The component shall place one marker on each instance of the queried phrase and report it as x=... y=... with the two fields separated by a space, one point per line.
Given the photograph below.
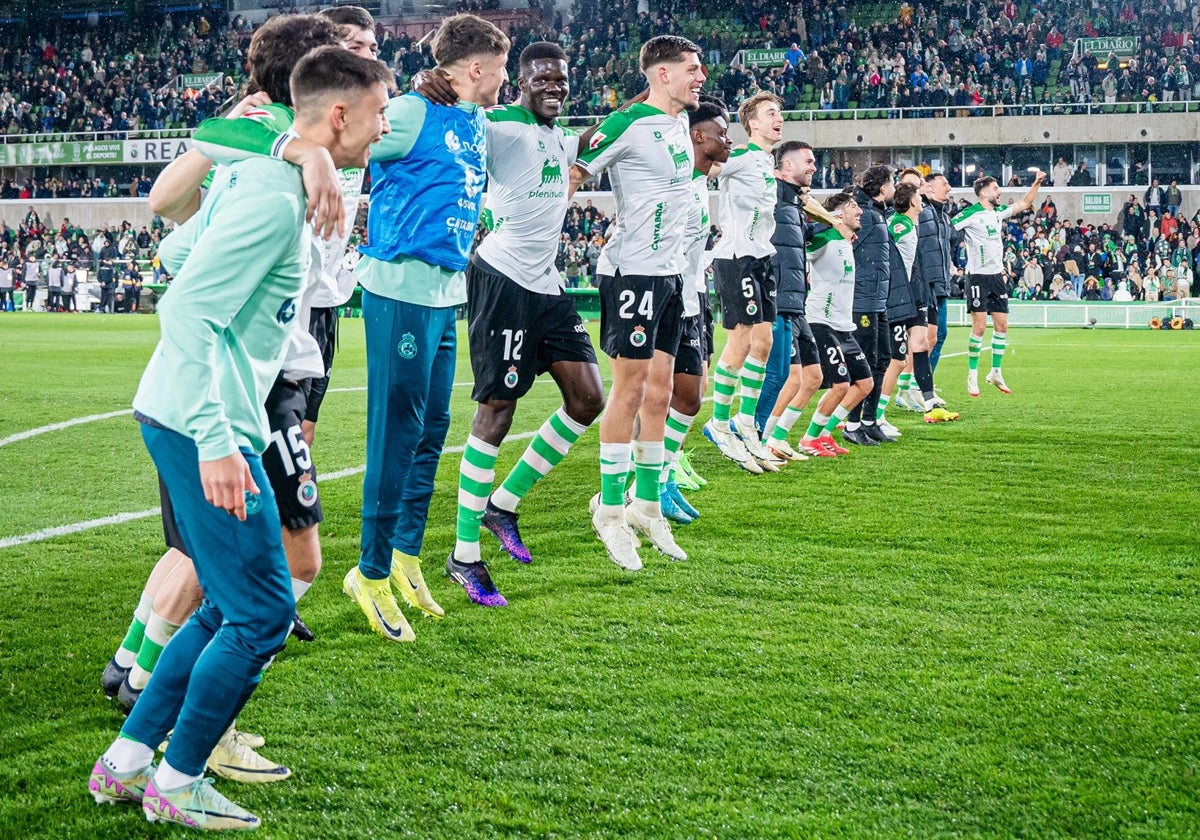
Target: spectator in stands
x=1082 y=177
x=1061 y=173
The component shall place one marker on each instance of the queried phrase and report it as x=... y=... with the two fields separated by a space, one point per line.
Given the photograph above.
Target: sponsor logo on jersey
x=407 y=348
x=474 y=182
x=456 y=144
x=511 y=378
x=286 y=312
x=306 y=493
x=253 y=503
x=680 y=156
x=659 y=210
x=551 y=171
x=638 y=337
x=580 y=328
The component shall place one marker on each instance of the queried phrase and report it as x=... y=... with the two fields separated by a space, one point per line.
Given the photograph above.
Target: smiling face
x=711 y=139
x=544 y=86
x=682 y=80
x=767 y=123
x=365 y=124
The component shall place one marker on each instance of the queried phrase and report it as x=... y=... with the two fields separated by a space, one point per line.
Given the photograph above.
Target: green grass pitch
x=986 y=630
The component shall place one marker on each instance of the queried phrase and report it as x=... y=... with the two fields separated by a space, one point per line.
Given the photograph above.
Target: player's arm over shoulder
x=406 y=115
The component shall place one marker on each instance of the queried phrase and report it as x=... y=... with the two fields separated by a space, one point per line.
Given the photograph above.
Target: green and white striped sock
x=615 y=459
x=974 y=346
x=127 y=654
x=676 y=431
x=786 y=421
x=725 y=383
x=476 y=472
x=551 y=444
x=158 y=632
x=753 y=374
x=999 y=343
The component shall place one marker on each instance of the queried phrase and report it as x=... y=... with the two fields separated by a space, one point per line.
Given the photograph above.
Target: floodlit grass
x=988 y=629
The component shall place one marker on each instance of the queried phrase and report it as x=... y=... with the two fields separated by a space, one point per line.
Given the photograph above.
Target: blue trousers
x=936 y=352
x=212 y=665
x=779 y=364
x=410 y=373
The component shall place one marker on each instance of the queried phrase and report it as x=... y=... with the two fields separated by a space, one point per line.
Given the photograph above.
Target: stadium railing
x=1090 y=314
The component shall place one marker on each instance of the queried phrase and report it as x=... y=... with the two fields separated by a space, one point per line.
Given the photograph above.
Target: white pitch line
x=63 y=530
x=65 y=424
x=120 y=518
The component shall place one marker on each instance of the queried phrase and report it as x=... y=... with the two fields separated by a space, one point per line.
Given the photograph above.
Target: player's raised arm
x=1027 y=200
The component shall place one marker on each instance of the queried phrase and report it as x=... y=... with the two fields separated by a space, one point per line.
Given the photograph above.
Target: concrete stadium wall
x=88 y=213
x=92 y=213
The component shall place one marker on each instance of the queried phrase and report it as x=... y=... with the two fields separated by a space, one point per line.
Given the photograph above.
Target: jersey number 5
x=645 y=308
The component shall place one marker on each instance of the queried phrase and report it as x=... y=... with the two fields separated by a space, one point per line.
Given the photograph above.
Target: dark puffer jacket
x=933 y=249
x=872 y=257
x=790 y=263
x=905 y=296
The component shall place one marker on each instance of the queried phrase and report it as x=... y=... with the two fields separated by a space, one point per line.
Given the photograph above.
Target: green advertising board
x=62 y=154
x=200 y=80
x=1097 y=203
x=762 y=58
x=1123 y=45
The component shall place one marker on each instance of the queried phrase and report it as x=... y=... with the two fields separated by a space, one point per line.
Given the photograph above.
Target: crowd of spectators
x=1152 y=252
x=39 y=253
x=115 y=77
x=963 y=56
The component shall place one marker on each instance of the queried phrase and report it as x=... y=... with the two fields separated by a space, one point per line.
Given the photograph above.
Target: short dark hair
x=706 y=111
x=904 y=197
x=786 y=148
x=748 y=110
x=933 y=176
x=334 y=70
x=346 y=16
x=463 y=36
x=875 y=177
x=983 y=183
x=279 y=44
x=540 y=51
x=836 y=200
x=665 y=49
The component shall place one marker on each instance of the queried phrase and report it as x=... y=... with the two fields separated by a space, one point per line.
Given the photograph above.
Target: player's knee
x=493 y=419
x=303 y=547
x=585 y=405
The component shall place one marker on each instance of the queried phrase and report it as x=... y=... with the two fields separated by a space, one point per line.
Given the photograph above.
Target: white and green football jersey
x=904 y=234
x=830 y=298
x=694 y=254
x=981 y=227
x=528 y=166
x=649 y=158
x=746 y=205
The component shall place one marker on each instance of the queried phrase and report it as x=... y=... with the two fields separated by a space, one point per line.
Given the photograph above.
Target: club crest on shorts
x=842 y=370
x=751 y=308
x=407 y=347
x=306 y=493
x=253 y=503
x=638 y=337
x=511 y=378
